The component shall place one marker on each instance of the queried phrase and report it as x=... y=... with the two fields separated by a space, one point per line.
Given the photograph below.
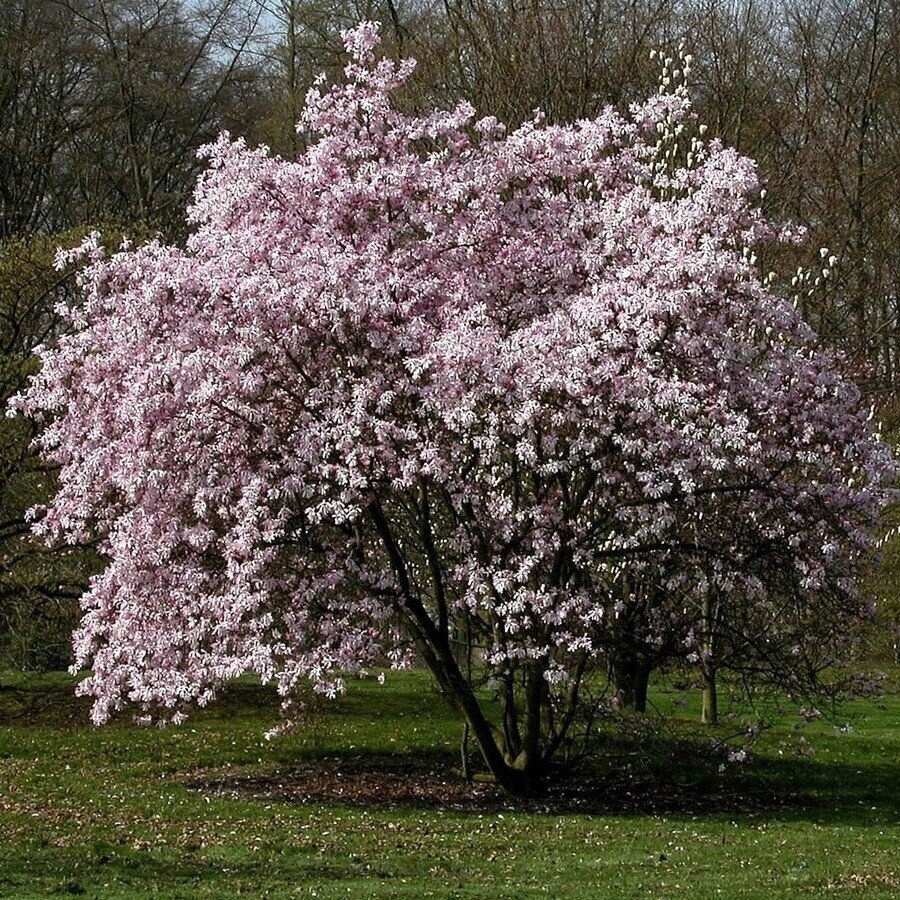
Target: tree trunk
x=710 y=712
x=631 y=676
x=519 y=770
x=520 y=775
x=641 y=684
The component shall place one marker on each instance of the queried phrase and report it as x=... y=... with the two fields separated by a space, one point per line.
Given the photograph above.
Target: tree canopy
x=443 y=388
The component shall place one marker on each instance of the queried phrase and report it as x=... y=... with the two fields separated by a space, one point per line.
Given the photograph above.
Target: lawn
x=213 y=809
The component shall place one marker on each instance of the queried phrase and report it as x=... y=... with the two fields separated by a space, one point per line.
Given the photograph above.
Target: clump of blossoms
x=439 y=388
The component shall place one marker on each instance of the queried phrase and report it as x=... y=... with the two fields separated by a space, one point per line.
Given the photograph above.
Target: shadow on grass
x=49 y=701
x=637 y=773
x=42 y=701
x=178 y=872
x=786 y=790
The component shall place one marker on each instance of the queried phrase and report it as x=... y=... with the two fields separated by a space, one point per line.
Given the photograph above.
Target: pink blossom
x=433 y=375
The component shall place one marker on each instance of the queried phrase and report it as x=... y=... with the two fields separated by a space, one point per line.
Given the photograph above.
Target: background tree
x=38 y=585
x=849 y=112
x=106 y=101
x=42 y=70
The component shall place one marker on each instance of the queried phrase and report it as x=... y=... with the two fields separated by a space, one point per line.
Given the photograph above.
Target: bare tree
x=42 y=76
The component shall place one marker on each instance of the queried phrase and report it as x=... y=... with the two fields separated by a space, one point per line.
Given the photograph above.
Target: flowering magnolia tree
x=434 y=389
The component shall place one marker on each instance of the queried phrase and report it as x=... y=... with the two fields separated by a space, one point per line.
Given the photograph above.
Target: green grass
x=110 y=812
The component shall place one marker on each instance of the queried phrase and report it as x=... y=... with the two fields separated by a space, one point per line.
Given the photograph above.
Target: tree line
x=103 y=104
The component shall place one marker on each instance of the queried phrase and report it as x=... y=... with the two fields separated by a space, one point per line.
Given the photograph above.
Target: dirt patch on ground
x=330 y=782
x=395 y=782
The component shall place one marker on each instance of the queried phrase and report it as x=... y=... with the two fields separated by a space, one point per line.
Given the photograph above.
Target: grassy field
x=212 y=809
